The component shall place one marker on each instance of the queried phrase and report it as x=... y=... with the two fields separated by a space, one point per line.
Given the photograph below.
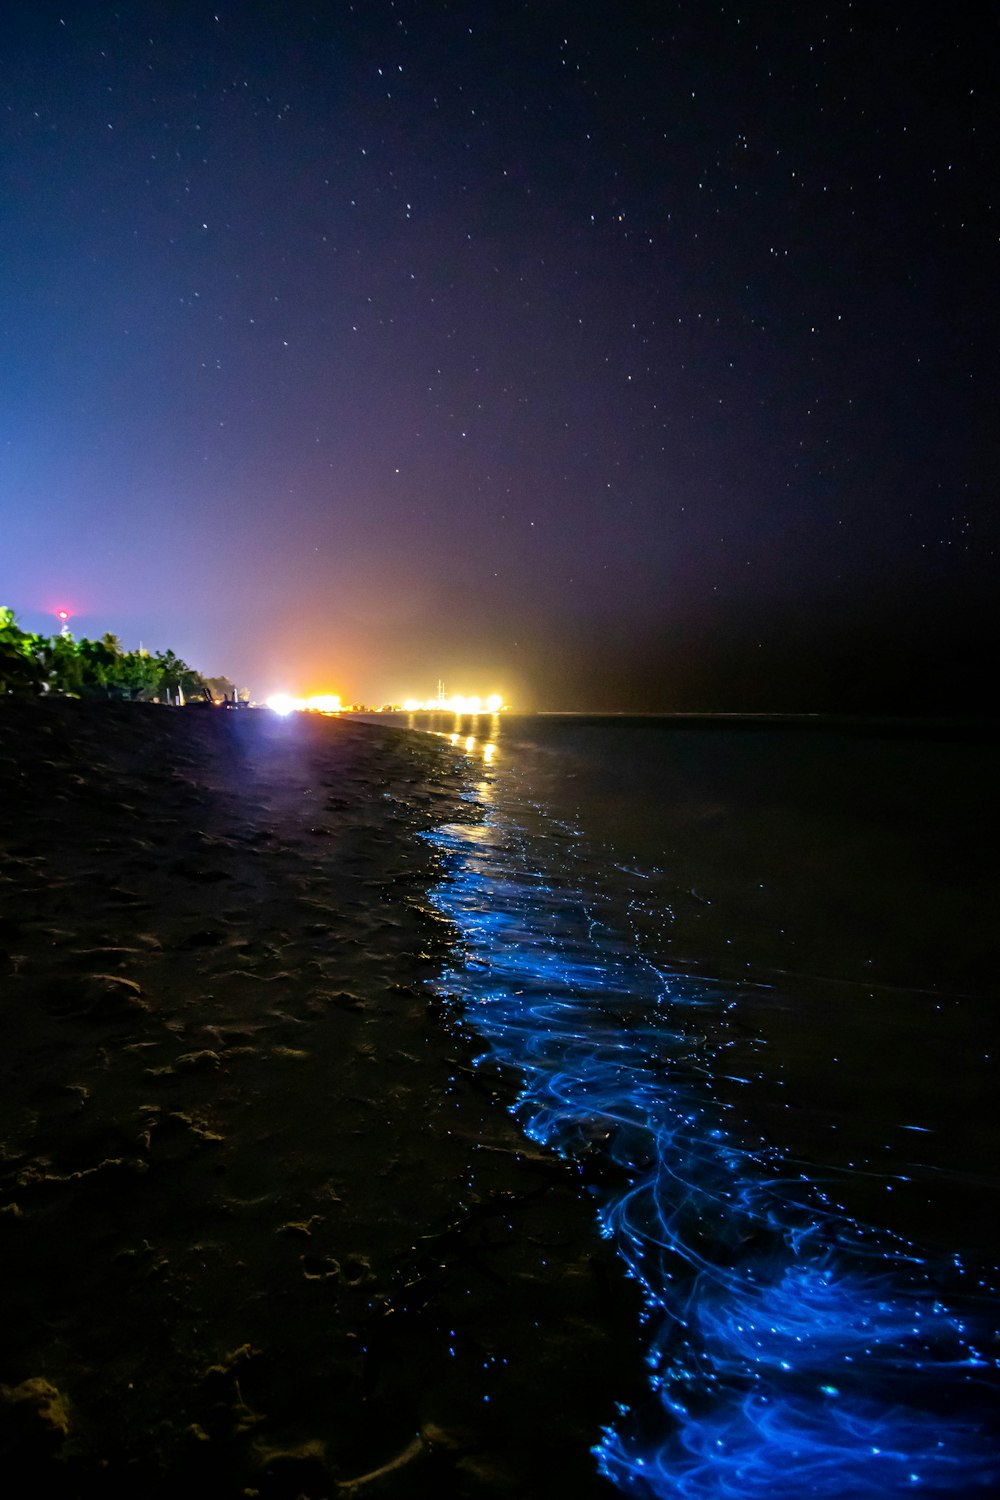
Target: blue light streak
x=793 y=1351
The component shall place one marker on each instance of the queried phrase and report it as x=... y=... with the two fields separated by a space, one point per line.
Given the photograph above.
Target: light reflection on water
x=793 y=1349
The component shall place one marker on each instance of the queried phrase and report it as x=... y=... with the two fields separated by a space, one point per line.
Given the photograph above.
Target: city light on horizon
x=320 y=703
x=331 y=703
x=457 y=704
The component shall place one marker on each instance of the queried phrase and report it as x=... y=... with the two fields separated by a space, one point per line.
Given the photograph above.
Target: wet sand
x=264 y=1228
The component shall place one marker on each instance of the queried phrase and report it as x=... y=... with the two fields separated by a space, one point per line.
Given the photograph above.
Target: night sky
x=606 y=355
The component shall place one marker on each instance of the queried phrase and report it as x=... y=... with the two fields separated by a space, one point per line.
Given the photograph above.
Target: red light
x=61 y=614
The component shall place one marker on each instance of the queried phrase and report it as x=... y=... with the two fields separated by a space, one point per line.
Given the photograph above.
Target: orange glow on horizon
x=319 y=703
x=457 y=704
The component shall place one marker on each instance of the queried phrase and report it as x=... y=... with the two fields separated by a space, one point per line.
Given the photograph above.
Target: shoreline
x=264 y=1224
x=974 y=727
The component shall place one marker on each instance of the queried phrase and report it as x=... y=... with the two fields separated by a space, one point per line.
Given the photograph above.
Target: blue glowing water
x=794 y=1347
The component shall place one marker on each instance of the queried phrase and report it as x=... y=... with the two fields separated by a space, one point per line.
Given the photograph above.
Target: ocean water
x=746 y=973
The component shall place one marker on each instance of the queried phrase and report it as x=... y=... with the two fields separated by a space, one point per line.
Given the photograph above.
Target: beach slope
x=264 y=1227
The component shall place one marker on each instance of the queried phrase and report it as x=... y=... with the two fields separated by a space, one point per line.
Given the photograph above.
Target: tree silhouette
x=32 y=664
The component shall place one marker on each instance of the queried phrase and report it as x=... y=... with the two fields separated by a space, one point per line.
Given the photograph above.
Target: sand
x=264 y=1228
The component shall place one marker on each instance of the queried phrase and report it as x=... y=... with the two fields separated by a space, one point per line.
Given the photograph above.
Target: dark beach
x=264 y=1228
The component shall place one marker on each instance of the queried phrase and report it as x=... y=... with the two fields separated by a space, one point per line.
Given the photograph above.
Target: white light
x=282 y=704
